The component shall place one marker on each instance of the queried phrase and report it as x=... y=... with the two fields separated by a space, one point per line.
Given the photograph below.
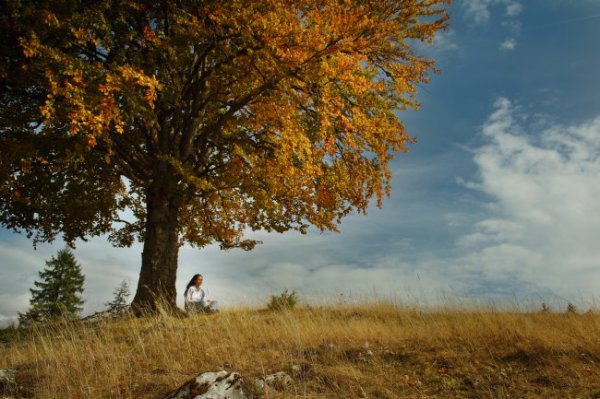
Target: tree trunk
x=156 y=285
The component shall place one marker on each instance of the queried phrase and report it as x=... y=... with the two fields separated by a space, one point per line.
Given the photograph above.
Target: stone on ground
x=277 y=380
x=8 y=384
x=212 y=385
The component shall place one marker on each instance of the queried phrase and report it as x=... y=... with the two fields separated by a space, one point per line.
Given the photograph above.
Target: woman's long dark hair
x=192 y=282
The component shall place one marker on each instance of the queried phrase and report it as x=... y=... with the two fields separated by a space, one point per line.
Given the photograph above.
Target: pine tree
x=58 y=294
x=118 y=306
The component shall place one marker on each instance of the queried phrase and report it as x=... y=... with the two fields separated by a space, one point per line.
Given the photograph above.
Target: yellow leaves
x=47 y=110
x=149 y=34
x=342 y=69
x=83 y=36
x=130 y=73
x=329 y=145
x=49 y=18
x=151 y=96
x=150 y=83
x=29 y=52
x=94 y=110
x=30 y=46
x=88 y=92
x=119 y=127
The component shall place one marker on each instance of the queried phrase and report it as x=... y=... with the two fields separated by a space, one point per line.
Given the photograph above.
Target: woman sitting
x=195 y=298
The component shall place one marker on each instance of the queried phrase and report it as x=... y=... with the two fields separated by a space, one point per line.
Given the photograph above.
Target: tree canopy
x=202 y=119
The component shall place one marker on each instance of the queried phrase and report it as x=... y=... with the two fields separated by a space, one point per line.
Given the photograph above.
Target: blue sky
x=496 y=202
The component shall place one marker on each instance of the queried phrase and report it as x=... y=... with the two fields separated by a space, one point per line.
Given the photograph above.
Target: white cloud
x=444 y=42
x=544 y=185
x=480 y=11
x=509 y=44
x=6 y=321
x=477 y=11
x=513 y=9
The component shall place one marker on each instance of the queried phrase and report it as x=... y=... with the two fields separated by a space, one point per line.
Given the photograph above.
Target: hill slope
x=375 y=351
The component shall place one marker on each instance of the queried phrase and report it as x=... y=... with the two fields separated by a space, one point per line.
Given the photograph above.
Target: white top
x=195 y=294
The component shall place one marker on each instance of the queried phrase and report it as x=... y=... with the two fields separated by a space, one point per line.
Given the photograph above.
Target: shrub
x=545 y=307
x=284 y=301
x=10 y=334
x=571 y=308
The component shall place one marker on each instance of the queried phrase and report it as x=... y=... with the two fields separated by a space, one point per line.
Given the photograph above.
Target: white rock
x=366 y=350
x=259 y=384
x=7 y=376
x=7 y=381
x=279 y=377
x=276 y=380
x=296 y=368
x=212 y=385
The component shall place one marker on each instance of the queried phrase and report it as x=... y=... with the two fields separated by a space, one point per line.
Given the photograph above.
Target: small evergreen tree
x=118 y=306
x=58 y=293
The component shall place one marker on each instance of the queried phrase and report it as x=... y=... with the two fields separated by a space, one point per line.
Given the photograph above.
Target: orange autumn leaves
x=270 y=114
x=83 y=92
x=344 y=69
x=103 y=113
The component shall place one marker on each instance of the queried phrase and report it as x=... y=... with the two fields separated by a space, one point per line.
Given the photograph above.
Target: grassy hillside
x=375 y=351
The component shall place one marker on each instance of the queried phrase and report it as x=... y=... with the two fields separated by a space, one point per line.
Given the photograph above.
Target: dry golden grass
x=415 y=354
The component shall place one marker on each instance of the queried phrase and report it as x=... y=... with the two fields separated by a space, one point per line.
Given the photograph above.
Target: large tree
x=196 y=121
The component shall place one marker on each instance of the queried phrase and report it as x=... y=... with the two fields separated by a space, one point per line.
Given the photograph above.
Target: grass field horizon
x=375 y=350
